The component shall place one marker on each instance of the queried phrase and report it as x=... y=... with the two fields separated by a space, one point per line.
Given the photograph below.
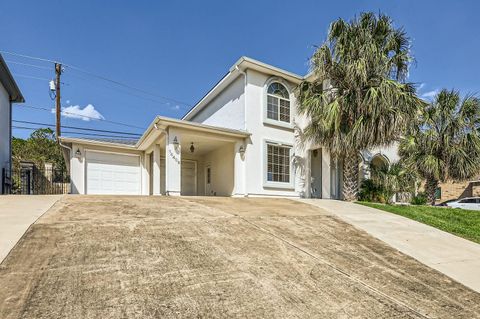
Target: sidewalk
x=456 y=257
x=17 y=213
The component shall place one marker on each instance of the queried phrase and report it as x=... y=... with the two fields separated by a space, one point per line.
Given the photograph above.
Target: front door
x=189 y=178
x=208 y=180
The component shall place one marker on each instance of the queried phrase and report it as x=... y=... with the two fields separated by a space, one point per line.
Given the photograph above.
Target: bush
x=419 y=199
x=371 y=192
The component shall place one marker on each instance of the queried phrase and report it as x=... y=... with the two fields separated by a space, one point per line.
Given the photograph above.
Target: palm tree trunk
x=431 y=186
x=350 y=176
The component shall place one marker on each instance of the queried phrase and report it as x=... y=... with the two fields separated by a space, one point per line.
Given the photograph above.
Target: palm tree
x=359 y=98
x=393 y=179
x=445 y=142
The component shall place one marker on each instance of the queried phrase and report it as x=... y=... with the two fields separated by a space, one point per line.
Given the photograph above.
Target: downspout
x=245 y=127
x=67 y=160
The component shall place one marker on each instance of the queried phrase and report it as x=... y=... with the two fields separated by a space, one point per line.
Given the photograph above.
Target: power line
x=31 y=65
x=101 y=77
x=124 y=91
x=98 y=77
x=77 y=128
x=85 y=116
x=27 y=56
x=78 y=133
x=35 y=78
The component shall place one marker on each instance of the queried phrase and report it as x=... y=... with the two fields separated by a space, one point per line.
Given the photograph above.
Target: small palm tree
x=393 y=179
x=444 y=144
x=358 y=98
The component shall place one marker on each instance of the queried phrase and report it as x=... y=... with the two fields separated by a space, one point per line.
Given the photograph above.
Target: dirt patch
x=157 y=257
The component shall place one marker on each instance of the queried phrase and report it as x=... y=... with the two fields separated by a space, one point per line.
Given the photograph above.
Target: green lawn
x=463 y=223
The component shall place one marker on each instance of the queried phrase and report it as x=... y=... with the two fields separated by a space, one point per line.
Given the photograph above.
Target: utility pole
x=58 y=72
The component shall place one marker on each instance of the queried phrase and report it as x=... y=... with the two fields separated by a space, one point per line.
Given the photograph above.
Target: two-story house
x=9 y=93
x=241 y=139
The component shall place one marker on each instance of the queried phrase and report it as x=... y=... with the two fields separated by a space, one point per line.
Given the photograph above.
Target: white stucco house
x=9 y=93
x=240 y=139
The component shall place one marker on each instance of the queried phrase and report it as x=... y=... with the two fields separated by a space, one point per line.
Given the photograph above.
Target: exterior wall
x=262 y=132
x=77 y=165
x=226 y=109
x=5 y=131
x=221 y=162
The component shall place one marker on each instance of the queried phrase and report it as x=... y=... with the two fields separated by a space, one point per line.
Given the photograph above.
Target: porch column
x=326 y=174
x=156 y=170
x=239 y=169
x=173 y=163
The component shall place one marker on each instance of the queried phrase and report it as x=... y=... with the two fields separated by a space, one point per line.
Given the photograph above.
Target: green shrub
x=371 y=192
x=419 y=199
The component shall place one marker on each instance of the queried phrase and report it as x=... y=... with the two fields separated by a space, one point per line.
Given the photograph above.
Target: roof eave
x=9 y=83
x=94 y=142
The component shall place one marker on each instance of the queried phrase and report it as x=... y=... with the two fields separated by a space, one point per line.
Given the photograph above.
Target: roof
x=130 y=142
x=9 y=83
x=242 y=64
x=158 y=124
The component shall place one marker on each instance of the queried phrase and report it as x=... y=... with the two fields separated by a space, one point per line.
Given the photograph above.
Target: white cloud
x=421 y=86
x=430 y=94
x=76 y=112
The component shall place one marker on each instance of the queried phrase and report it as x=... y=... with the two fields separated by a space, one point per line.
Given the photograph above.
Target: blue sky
x=180 y=49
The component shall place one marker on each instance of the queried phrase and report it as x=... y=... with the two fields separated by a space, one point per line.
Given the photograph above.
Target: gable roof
x=6 y=79
x=241 y=65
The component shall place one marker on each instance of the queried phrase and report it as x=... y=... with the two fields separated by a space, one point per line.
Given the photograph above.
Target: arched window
x=278 y=103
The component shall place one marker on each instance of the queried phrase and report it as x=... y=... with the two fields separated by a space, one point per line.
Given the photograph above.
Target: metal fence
x=35 y=181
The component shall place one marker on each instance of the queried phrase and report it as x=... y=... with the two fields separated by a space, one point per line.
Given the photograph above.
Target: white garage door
x=109 y=173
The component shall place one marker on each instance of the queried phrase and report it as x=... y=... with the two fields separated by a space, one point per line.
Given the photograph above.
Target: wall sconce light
x=175 y=141
x=192 y=148
x=241 y=150
x=78 y=153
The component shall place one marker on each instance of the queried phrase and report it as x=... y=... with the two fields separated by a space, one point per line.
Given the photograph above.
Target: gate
x=32 y=180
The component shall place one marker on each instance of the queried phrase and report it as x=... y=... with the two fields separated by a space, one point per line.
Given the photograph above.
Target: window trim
x=270 y=184
x=278 y=122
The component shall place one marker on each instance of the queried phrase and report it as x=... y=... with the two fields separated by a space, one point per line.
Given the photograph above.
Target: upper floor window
x=278 y=103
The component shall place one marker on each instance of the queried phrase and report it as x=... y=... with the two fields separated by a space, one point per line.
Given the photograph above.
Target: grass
x=463 y=223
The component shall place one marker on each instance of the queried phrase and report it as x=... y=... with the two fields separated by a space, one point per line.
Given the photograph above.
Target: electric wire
x=77 y=128
x=78 y=133
x=101 y=77
x=84 y=116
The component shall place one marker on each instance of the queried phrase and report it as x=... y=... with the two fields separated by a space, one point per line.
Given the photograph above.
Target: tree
x=394 y=178
x=444 y=143
x=39 y=148
x=359 y=98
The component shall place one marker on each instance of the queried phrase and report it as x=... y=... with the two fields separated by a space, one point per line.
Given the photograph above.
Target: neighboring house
x=9 y=93
x=241 y=139
x=454 y=190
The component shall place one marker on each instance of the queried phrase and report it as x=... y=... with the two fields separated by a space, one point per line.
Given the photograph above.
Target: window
x=278 y=163
x=278 y=103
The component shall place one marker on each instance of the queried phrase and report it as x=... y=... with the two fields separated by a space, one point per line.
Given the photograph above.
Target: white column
x=326 y=174
x=239 y=170
x=145 y=174
x=156 y=170
x=173 y=163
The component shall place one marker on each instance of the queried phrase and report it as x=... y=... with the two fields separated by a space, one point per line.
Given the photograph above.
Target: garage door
x=109 y=173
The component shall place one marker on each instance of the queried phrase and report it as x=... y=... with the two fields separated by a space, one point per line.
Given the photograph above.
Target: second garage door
x=111 y=173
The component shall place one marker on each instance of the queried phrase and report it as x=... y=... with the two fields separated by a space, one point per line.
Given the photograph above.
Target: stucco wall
x=5 y=131
x=261 y=132
x=221 y=162
x=226 y=109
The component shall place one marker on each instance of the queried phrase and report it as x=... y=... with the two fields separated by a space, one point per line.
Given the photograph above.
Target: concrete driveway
x=454 y=256
x=17 y=213
x=161 y=257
